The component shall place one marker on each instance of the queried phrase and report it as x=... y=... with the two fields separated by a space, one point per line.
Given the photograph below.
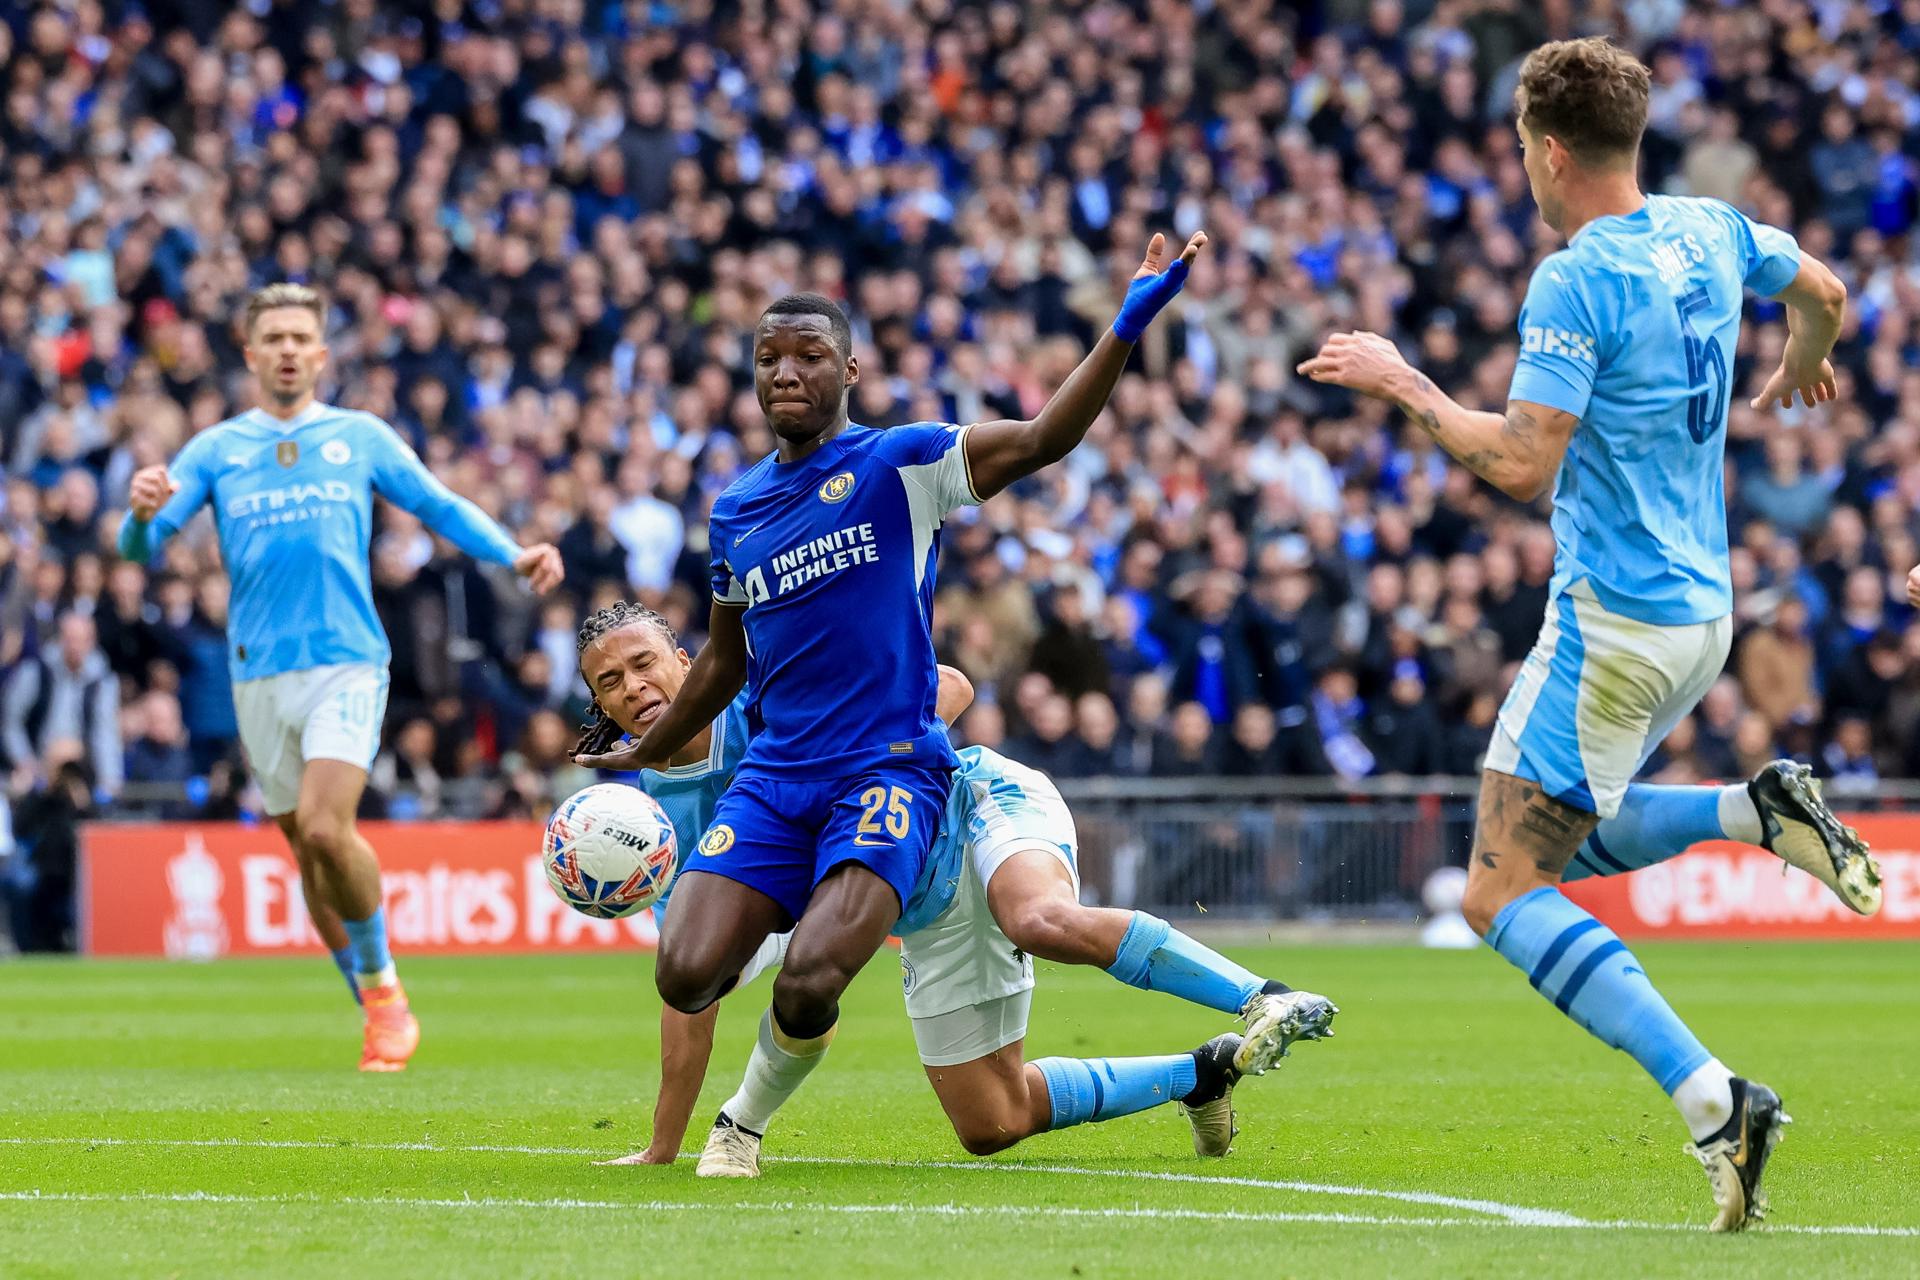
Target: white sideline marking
x=1513 y=1213
x=948 y=1210
x=1498 y=1214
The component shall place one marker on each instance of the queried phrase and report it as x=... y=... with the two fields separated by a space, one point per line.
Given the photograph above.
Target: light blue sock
x=343 y=961
x=1577 y=962
x=1083 y=1089
x=1655 y=823
x=368 y=938
x=1155 y=956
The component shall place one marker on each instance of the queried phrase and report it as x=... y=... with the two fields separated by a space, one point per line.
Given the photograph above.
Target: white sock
x=1705 y=1099
x=1738 y=818
x=385 y=978
x=778 y=1066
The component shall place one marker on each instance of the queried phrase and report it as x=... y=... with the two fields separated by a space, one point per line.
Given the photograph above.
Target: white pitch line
x=1513 y=1213
x=948 y=1210
x=1499 y=1214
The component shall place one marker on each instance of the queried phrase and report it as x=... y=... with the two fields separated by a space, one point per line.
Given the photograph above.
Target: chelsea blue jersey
x=1632 y=329
x=833 y=558
x=293 y=502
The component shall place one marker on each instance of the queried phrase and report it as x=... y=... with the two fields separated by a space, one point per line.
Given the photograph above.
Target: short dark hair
x=816 y=304
x=1590 y=94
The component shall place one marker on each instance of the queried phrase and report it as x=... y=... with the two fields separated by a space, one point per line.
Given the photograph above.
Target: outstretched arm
x=401 y=478
x=715 y=678
x=998 y=453
x=1816 y=302
x=686 y=1045
x=1517 y=453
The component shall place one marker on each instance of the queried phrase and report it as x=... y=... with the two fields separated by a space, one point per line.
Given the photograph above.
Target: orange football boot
x=393 y=1033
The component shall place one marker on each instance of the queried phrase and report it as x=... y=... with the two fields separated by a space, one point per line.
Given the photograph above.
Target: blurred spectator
x=47 y=811
x=70 y=694
x=544 y=244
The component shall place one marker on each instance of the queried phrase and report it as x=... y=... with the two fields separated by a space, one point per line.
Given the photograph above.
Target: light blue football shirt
x=688 y=793
x=293 y=502
x=991 y=795
x=1631 y=328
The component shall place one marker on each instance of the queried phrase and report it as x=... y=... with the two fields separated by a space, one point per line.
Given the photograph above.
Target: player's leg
x=350 y=875
x=1035 y=899
x=969 y=991
x=747 y=880
x=270 y=728
x=1574 y=730
x=1780 y=809
x=326 y=921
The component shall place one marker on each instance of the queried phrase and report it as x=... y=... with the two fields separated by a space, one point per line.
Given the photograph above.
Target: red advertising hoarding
x=200 y=890
x=1724 y=890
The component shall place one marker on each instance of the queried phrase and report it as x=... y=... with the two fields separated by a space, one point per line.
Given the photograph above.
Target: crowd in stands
x=546 y=227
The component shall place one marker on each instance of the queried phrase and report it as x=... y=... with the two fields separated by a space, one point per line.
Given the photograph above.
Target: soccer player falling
x=823 y=557
x=1627 y=334
x=292 y=485
x=1000 y=886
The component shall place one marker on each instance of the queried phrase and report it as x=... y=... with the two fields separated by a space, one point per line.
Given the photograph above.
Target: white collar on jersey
x=716 y=749
x=261 y=418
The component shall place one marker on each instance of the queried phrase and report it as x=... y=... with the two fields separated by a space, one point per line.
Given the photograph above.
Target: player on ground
x=1000 y=886
x=823 y=558
x=292 y=483
x=1627 y=334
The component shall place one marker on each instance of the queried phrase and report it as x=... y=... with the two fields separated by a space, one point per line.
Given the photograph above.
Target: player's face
x=286 y=352
x=800 y=376
x=635 y=674
x=1535 y=158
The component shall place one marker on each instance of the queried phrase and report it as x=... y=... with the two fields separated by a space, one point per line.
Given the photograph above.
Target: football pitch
x=176 y=1120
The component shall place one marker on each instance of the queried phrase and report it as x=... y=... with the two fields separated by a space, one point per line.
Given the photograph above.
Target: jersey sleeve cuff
x=1539 y=385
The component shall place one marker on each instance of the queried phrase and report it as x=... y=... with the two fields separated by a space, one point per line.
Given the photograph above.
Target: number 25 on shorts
x=898 y=816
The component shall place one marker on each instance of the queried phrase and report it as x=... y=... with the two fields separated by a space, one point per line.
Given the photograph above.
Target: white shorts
x=967 y=986
x=1597 y=694
x=322 y=713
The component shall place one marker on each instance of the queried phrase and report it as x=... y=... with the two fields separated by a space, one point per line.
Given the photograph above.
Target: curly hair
x=601 y=730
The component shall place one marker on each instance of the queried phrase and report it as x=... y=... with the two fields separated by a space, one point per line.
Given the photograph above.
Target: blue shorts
x=782 y=836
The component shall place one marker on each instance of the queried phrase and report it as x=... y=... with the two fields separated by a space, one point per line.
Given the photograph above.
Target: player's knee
x=1485 y=897
x=809 y=996
x=326 y=837
x=984 y=1135
x=1050 y=929
x=688 y=988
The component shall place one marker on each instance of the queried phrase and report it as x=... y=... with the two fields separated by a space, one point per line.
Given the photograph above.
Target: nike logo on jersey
x=743 y=537
x=865 y=843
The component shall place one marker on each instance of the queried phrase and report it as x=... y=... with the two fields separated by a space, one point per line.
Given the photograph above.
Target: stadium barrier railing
x=1226 y=851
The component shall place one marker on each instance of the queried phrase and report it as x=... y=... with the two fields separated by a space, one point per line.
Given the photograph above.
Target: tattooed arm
x=1518 y=454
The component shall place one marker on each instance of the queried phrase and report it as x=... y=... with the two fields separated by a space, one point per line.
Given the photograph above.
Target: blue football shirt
x=833 y=557
x=293 y=502
x=1631 y=328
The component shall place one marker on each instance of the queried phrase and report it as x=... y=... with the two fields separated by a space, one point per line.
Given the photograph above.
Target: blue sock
x=1083 y=1089
x=1155 y=956
x=1654 y=823
x=343 y=961
x=368 y=938
x=1576 y=962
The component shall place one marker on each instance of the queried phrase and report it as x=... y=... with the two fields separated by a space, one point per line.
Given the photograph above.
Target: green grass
x=1448 y=1076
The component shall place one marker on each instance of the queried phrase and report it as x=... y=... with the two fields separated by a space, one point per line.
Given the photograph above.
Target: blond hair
x=285 y=294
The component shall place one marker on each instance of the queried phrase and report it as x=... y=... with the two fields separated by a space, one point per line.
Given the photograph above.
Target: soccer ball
x=609 y=851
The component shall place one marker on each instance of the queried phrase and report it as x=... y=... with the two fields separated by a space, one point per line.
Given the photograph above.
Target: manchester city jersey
x=293 y=502
x=833 y=558
x=990 y=794
x=1632 y=329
